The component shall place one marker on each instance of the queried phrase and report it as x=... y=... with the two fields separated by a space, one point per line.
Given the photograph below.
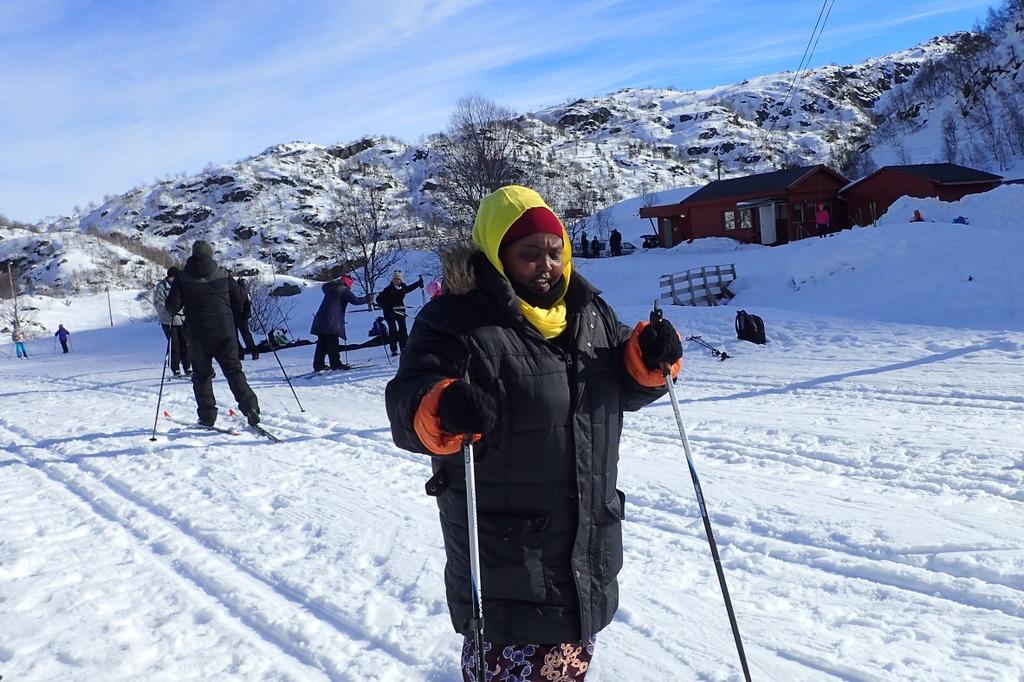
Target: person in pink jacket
x=822 y=220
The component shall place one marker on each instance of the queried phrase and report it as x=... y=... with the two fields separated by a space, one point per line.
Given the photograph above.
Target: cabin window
x=729 y=220
x=798 y=212
x=747 y=219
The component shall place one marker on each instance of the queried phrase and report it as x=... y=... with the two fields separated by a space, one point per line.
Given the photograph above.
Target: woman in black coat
x=392 y=303
x=524 y=354
x=329 y=321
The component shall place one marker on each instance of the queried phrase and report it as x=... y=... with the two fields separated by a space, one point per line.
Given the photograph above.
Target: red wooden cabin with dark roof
x=871 y=196
x=767 y=208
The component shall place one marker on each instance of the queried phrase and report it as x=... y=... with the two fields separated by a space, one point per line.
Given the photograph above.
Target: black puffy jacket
x=211 y=299
x=549 y=511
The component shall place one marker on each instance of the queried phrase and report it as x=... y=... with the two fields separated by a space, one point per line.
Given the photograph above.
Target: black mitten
x=660 y=345
x=466 y=408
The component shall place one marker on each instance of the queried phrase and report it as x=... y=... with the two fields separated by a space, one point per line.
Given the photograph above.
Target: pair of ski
x=220 y=429
x=324 y=372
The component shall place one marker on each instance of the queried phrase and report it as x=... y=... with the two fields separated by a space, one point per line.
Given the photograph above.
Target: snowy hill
x=279 y=207
x=965 y=107
x=863 y=472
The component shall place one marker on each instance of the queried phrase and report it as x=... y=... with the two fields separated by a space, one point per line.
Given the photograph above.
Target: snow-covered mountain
x=279 y=208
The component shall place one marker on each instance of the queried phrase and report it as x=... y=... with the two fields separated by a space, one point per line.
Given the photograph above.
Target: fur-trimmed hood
x=457 y=267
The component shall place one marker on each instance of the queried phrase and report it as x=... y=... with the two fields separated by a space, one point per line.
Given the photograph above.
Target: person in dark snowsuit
x=212 y=303
x=329 y=322
x=173 y=325
x=615 y=242
x=62 y=335
x=523 y=353
x=595 y=248
x=242 y=323
x=391 y=301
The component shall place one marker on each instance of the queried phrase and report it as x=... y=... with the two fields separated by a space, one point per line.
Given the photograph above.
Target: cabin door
x=767 y=216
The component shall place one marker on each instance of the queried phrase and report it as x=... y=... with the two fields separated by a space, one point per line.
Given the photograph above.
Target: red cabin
x=767 y=208
x=871 y=196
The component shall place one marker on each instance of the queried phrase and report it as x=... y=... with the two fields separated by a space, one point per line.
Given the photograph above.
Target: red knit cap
x=534 y=220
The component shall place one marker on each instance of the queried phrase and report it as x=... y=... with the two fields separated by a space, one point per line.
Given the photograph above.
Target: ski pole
x=477 y=622
x=273 y=349
x=656 y=316
x=160 y=395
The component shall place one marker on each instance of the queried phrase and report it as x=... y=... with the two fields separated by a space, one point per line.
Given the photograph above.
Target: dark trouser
x=63 y=344
x=397 y=333
x=326 y=345
x=250 y=345
x=530 y=662
x=225 y=352
x=179 y=347
x=822 y=230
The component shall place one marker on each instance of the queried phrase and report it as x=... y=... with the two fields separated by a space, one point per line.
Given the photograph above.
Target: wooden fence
x=700 y=286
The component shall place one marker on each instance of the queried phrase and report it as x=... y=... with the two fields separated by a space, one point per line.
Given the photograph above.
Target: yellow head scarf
x=498 y=211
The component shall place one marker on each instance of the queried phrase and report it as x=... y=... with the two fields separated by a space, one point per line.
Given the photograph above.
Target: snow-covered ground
x=864 y=472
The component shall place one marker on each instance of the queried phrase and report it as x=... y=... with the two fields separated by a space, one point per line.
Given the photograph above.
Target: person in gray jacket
x=173 y=325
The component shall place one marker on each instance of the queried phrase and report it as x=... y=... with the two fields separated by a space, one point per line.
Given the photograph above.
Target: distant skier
x=549 y=370
x=242 y=323
x=19 y=338
x=212 y=302
x=173 y=325
x=329 y=322
x=822 y=220
x=62 y=336
x=615 y=242
x=392 y=303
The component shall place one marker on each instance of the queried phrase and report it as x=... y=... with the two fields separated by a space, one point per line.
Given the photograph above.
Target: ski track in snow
x=865 y=494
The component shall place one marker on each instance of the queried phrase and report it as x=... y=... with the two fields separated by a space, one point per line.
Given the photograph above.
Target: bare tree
x=365 y=233
x=484 y=148
x=950 y=141
x=268 y=311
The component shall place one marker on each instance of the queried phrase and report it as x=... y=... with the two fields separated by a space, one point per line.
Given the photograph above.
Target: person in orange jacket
x=523 y=355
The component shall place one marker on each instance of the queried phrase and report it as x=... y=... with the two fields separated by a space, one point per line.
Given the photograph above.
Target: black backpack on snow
x=750 y=327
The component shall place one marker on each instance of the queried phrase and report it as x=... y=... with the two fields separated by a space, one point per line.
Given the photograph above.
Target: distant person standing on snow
x=19 y=338
x=917 y=217
x=822 y=220
x=524 y=354
x=584 y=245
x=212 y=303
x=172 y=324
x=62 y=336
x=595 y=248
x=242 y=323
x=392 y=303
x=329 y=322
x=615 y=242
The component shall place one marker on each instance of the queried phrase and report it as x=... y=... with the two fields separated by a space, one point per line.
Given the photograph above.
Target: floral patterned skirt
x=564 y=662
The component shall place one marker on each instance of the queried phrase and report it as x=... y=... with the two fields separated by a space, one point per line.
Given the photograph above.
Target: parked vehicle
x=604 y=251
x=651 y=241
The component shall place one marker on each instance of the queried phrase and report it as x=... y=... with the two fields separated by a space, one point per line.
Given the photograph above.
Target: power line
x=805 y=62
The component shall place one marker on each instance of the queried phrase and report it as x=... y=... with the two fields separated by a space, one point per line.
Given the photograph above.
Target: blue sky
x=98 y=96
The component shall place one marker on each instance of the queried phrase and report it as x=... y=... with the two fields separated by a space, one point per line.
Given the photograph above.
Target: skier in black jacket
x=524 y=354
x=391 y=301
x=212 y=303
x=242 y=322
